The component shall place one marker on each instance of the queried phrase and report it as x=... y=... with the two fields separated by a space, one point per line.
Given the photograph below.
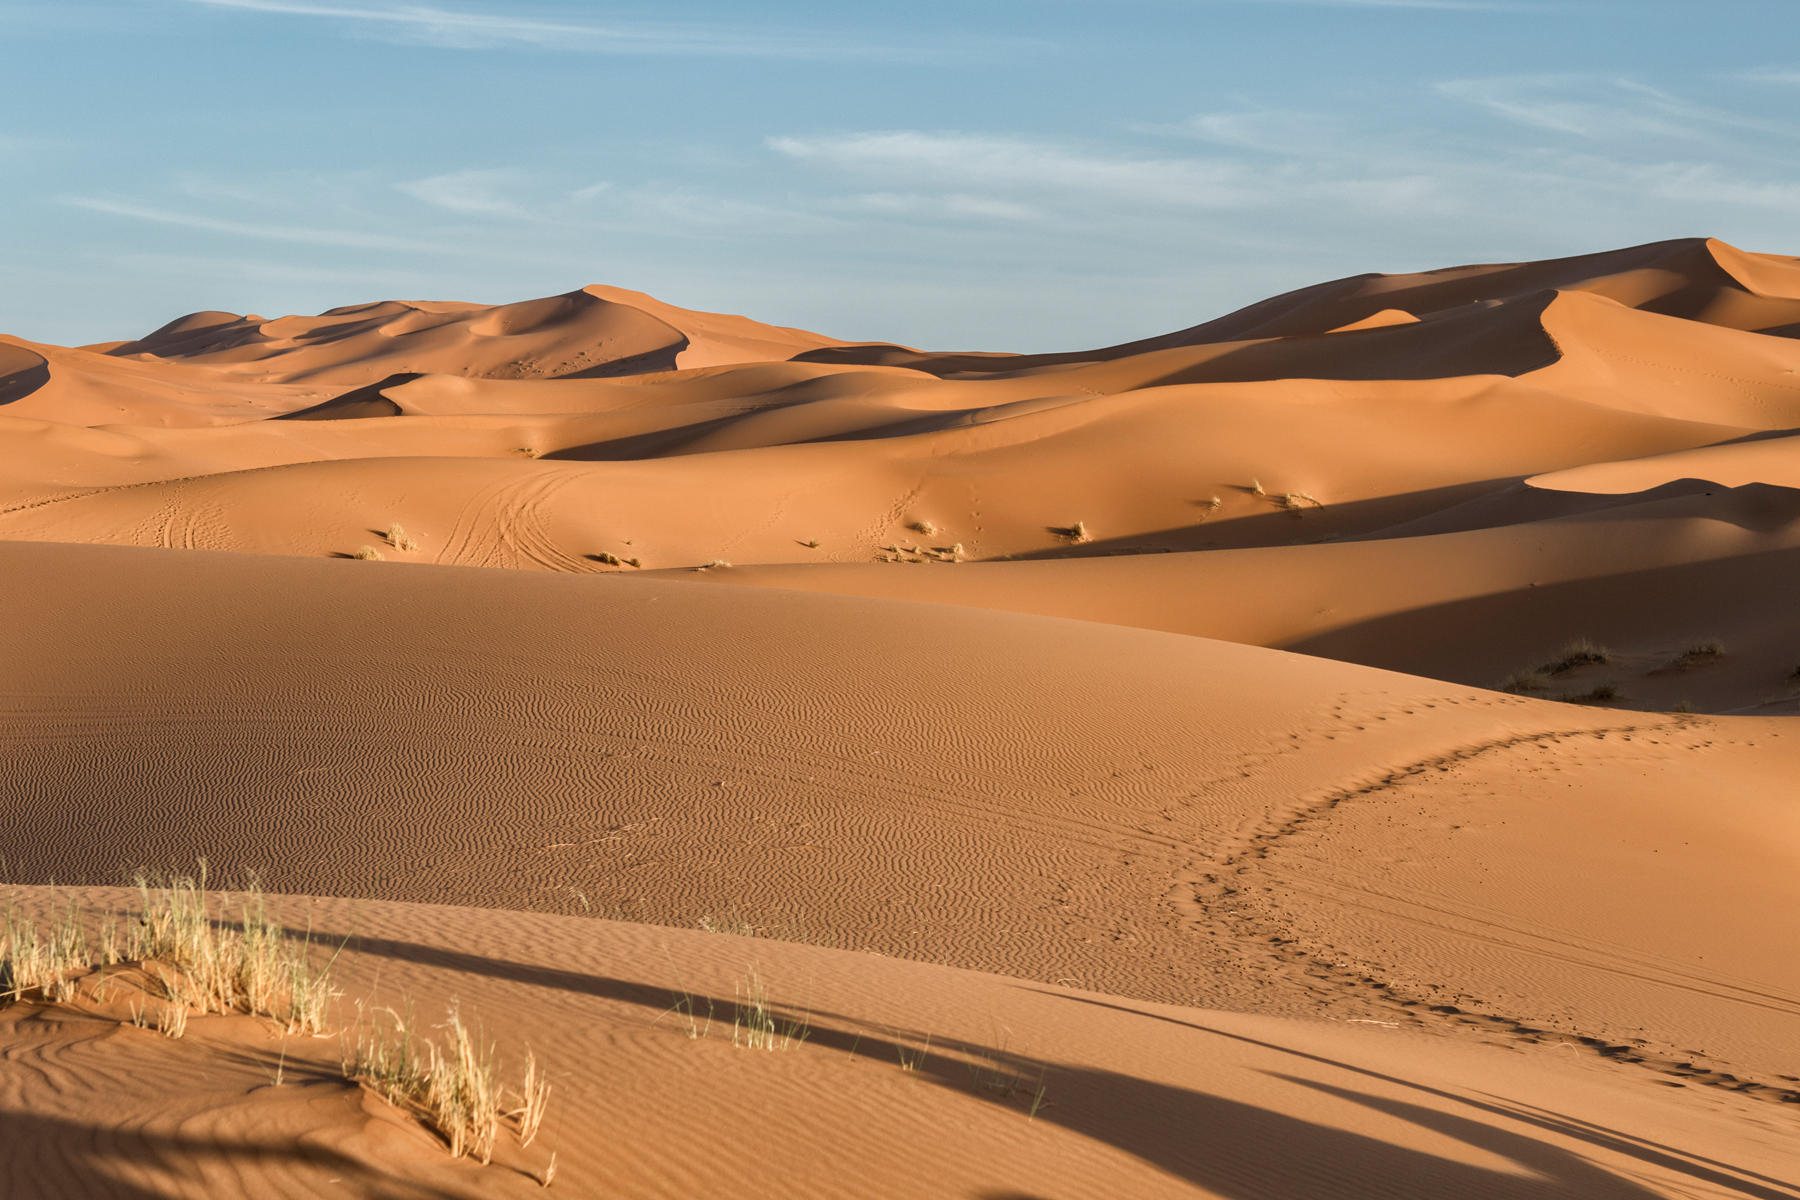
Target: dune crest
x=595 y=331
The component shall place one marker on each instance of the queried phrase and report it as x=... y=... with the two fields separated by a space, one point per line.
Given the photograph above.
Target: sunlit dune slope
x=1050 y=799
x=1017 y=1088
x=595 y=331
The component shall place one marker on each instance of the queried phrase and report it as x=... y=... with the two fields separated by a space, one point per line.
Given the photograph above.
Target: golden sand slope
x=1568 y=433
x=1136 y=1099
x=1056 y=800
x=1154 y=680
x=594 y=331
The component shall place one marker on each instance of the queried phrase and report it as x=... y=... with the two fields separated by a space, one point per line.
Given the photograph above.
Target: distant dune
x=1341 y=749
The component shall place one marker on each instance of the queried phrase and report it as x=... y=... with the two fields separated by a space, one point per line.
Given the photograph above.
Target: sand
x=1147 y=771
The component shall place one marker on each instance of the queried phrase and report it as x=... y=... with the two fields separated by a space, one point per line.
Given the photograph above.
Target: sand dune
x=595 y=331
x=1200 y=727
x=1138 y=1099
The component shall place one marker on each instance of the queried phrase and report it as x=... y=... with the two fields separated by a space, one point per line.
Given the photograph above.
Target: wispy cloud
x=964 y=161
x=471 y=193
x=985 y=174
x=343 y=238
x=1602 y=109
x=477 y=29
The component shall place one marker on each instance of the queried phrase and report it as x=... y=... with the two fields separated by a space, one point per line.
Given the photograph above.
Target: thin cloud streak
x=346 y=239
x=1600 y=109
x=471 y=29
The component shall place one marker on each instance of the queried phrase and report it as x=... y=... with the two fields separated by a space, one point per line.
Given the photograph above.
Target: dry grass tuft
x=1578 y=653
x=755 y=1024
x=448 y=1079
x=450 y=1084
x=399 y=539
x=924 y=527
x=1698 y=653
x=194 y=961
x=1600 y=693
x=368 y=554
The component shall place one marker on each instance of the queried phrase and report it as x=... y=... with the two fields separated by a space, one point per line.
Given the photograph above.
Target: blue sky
x=1016 y=174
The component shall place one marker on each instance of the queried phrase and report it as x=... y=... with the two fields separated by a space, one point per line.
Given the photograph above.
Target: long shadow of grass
x=1233 y=1148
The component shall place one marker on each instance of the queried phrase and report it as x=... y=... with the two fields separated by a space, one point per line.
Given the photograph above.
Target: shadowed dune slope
x=1697 y=279
x=1131 y=1098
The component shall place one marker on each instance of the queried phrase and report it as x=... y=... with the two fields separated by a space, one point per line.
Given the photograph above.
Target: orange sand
x=1173 y=780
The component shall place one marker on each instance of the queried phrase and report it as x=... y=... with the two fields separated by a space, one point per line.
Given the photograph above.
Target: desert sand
x=1343 y=749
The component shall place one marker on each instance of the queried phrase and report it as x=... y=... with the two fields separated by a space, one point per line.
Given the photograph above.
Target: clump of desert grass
x=1579 y=653
x=925 y=527
x=448 y=1077
x=756 y=1025
x=1694 y=655
x=189 y=953
x=185 y=958
x=401 y=540
x=368 y=554
x=1600 y=693
x=1295 y=501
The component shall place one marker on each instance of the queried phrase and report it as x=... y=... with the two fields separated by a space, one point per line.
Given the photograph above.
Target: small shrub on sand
x=368 y=554
x=1256 y=488
x=756 y=1026
x=924 y=527
x=450 y=1085
x=1697 y=653
x=1600 y=693
x=1578 y=653
x=448 y=1078
x=1294 y=501
x=193 y=961
x=399 y=539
